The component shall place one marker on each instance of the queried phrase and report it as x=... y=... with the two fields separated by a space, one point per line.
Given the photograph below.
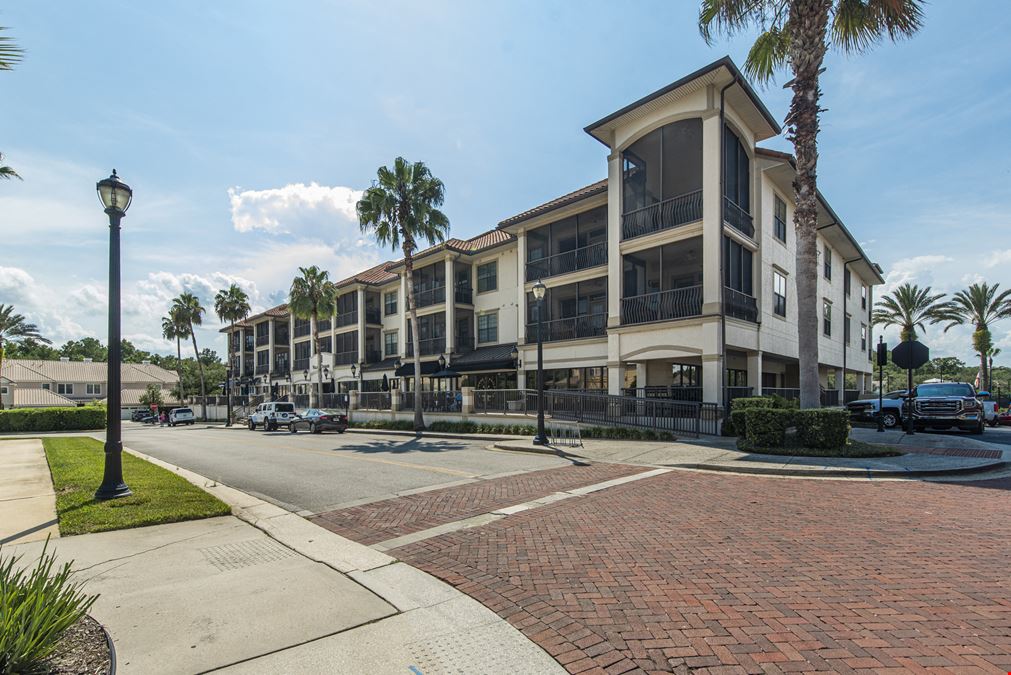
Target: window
x=846 y=329
x=737 y=377
x=487 y=276
x=663 y=164
x=390 y=343
x=46 y=386
x=686 y=375
x=737 y=266
x=390 y=304
x=826 y=314
x=846 y=281
x=828 y=263
x=863 y=337
x=779 y=220
x=779 y=294
x=736 y=171
x=325 y=346
x=863 y=297
x=65 y=389
x=487 y=327
x=93 y=389
x=3 y=390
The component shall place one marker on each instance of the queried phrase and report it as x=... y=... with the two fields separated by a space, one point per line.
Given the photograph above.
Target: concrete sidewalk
x=27 y=500
x=266 y=591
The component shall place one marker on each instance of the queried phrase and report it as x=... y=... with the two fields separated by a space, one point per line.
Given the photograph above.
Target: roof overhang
x=719 y=73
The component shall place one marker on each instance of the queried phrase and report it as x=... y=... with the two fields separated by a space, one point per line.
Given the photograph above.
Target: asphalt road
x=316 y=473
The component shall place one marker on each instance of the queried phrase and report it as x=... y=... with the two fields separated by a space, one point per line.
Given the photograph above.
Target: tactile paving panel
x=247 y=553
x=482 y=649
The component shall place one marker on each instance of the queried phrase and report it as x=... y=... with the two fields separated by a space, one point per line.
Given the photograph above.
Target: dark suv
x=946 y=405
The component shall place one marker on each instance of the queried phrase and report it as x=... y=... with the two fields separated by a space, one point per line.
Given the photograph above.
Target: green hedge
x=766 y=427
x=514 y=430
x=735 y=425
x=52 y=419
x=823 y=427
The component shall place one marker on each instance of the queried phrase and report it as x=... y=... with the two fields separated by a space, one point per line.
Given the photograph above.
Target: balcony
x=250 y=343
x=302 y=329
x=669 y=213
x=679 y=303
x=301 y=364
x=247 y=370
x=463 y=295
x=464 y=343
x=323 y=325
x=280 y=368
x=738 y=218
x=568 y=261
x=262 y=368
x=373 y=316
x=262 y=340
x=589 y=325
x=235 y=344
x=347 y=319
x=429 y=347
x=429 y=297
x=740 y=305
x=281 y=337
x=345 y=358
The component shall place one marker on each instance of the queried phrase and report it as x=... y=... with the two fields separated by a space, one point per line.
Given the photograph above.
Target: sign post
x=882 y=360
x=910 y=355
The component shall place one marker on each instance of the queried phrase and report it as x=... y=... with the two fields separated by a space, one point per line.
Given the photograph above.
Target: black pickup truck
x=946 y=405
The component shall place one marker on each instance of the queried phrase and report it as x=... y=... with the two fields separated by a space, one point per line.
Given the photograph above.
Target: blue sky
x=246 y=129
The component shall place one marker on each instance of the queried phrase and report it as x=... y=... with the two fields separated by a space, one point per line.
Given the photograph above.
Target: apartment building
x=676 y=271
x=34 y=383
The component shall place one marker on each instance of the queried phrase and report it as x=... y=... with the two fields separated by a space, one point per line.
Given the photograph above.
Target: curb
x=840 y=472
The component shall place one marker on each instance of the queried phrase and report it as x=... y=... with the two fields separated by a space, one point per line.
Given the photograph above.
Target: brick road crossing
x=692 y=571
x=390 y=518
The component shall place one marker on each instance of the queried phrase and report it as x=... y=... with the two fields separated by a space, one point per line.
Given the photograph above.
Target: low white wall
x=408 y=416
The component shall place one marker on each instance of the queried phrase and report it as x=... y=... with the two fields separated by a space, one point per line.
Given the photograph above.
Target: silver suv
x=272 y=415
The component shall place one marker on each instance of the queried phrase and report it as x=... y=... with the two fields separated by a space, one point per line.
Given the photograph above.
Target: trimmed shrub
x=445 y=427
x=738 y=424
x=822 y=427
x=749 y=402
x=52 y=419
x=766 y=427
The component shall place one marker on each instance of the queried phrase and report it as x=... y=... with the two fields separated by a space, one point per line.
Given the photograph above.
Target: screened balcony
x=431 y=337
x=575 y=243
x=347 y=310
x=736 y=184
x=662 y=283
x=662 y=179
x=570 y=312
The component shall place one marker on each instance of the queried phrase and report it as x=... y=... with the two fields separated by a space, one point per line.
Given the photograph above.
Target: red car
x=1004 y=417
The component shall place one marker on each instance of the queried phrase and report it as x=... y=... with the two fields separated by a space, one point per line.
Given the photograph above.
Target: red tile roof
x=477 y=244
x=564 y=200
x=277 y=312
x=375 y=276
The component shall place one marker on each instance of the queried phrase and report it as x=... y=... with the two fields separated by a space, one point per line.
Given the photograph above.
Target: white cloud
x=998 y=258
x=15 y=285
x=294 y=208
x=917 y=270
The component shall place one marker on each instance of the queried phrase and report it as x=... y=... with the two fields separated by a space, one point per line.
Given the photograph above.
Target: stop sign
x=911 y=354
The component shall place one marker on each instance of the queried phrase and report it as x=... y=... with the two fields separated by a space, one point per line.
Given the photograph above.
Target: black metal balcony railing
x=429 y=296
x=262 y=368
x=373 y=356
x=280 y=368
x=301 y=364
x=282 y=337
x=323 y=325
x=464 y=343
x=262 y=340
x=247 y=370
x=737 y=217
x=250 y=344
x=672 y=392
x=740 y=305
x=428 y=347
x=463 y=295
x=372 y=315
x=302 y=329
x=347 y=319
x=589 y=325
x=568 y=261
x=678 y=303
x=346 y=358
x=673 y=212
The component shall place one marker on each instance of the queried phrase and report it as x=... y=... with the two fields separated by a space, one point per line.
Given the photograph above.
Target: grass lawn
x=159 y=496
x=852 y=449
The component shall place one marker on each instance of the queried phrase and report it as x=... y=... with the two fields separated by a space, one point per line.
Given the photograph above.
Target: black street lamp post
x=539 y=289
x=116 y=197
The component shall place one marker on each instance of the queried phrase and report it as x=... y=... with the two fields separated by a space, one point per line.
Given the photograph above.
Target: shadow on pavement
x=409 y=445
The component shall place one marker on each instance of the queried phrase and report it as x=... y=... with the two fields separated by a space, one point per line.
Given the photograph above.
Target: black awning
x=385 y=364
x=495 y=357
x=428 y=368
x=446 y=373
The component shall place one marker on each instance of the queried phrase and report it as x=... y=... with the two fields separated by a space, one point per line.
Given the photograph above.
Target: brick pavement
x=691 y=571
x=383 y=520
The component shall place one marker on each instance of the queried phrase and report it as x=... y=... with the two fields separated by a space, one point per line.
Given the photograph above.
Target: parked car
x=866 y=409
x=1004 y=417
x=181 y=416
x=989 y=407
x=316 y=421
x=272 y=415
x=139 y=415
x=946 y=405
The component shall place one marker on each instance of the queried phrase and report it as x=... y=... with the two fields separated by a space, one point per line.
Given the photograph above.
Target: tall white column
x=755 y=373
x=712 y=228
x=450 y=307
x=711 y=381
x=614 y=239
x=361 y=325
x=402 y=306
x=521 y=295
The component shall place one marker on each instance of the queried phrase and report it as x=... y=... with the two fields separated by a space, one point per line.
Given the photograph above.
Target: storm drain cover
x=247 y=553
x=468 y=652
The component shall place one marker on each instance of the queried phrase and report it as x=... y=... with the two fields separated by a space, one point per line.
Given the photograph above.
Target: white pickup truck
x=989 y=408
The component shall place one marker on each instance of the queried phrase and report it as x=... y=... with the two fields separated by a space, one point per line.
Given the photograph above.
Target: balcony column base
x=353 y=400
x=467 y=403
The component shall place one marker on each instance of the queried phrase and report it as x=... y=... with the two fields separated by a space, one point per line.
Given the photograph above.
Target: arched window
x=663 y=164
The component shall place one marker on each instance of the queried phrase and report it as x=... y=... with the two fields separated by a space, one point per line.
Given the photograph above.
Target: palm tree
x=399 y=209
x=7 y=172
x=191 y=313
x=313 y=295
x=175 y=327
x=231 y=305
x=796 y=33
x=981 y=305
x=14 y=329
x=908 y=307
x=10 y=54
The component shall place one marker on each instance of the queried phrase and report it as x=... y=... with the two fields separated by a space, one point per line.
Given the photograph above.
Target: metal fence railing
x=672 y=212
x=678 y=303
x=334 y=401
x=434 y=401
x=500 y=401
x=374 y=400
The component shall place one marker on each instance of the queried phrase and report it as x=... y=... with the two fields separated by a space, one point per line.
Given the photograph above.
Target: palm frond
x=860 y=24
x=770 y=52
x=10 y=53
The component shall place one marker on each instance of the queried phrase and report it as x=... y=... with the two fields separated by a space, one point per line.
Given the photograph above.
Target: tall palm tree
x=981 y=305
x=796 y=34
x=7 y=172
x=231 y=305
x=313 y=295
x=400 y=208
x=907 y=307
x=10 y=54
x=175 y=327
x=191 y=312
x=14 y=329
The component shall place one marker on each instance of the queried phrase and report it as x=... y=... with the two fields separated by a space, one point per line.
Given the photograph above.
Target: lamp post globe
x=115 y=196
x=539 y=290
